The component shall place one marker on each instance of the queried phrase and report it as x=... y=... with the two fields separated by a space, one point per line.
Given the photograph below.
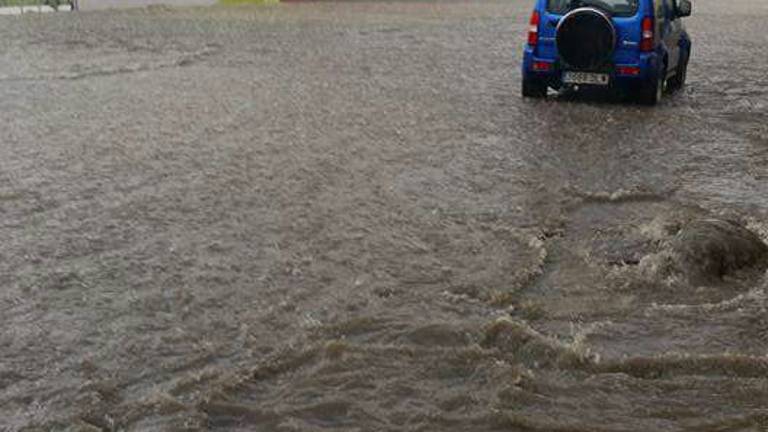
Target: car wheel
x=678 y=81
x=533 y=88
x=653 y=91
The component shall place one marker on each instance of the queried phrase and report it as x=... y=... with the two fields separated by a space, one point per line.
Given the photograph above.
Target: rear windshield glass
x=615 y=7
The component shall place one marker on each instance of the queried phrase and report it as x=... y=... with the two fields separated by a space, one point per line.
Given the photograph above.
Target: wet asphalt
x=343 y=216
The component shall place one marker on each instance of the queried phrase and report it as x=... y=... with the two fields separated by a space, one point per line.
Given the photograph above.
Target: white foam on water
x=754 y=296
x=86 y=5
x=19 y=10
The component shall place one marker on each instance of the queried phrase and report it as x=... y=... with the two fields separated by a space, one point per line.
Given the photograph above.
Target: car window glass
x=616 y=7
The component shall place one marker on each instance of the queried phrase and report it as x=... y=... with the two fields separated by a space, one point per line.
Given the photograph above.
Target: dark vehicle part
x=586 y=39
x=534 y=88
x=651 y=93
x=678 y=80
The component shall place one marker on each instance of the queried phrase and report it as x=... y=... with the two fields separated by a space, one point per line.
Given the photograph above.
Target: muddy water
x=312 y=217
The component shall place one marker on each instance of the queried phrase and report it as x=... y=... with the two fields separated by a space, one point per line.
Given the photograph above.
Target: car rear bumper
x=646 y=69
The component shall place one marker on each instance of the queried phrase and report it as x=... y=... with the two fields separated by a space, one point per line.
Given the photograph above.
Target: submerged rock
x=706 y=250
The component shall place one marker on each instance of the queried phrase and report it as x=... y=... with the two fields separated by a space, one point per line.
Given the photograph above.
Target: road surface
x=343 y=216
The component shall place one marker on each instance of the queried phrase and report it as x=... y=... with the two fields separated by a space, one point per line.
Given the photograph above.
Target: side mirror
x=684 y=8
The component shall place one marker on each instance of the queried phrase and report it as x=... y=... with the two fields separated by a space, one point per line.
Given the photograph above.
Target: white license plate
x=585 y=78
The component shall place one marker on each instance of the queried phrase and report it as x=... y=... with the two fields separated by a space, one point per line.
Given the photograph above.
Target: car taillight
x=542 y=66
x=646 y=38
x=628 y=70
x=533 y=30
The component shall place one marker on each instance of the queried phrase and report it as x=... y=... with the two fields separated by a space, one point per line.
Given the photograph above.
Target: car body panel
x=672 y=45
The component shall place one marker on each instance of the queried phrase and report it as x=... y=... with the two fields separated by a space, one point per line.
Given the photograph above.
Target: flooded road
x=309 y=217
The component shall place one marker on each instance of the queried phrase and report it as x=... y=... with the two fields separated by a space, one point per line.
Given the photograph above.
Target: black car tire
x=651 y=93
x=678 y=81
x=534 y=88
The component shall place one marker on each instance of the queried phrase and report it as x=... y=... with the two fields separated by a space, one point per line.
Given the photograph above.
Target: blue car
x=639 y=47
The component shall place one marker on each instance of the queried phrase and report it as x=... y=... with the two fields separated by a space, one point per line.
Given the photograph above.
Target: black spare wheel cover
x=586 y=38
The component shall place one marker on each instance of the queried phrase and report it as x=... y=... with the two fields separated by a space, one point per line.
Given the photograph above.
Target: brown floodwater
x=343 y=216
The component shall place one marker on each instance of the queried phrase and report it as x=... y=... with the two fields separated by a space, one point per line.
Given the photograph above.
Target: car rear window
x=615 y=7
